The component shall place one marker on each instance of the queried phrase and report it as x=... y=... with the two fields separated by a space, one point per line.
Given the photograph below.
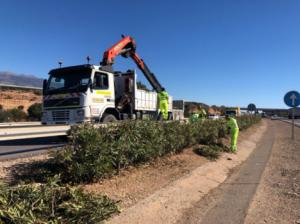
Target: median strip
x=97 y=153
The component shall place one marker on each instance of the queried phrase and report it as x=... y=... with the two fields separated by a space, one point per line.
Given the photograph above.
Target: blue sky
x=223 y=52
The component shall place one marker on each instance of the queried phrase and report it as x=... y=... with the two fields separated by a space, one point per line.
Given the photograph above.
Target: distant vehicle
x=274 y=117
x=178 y=109
x=233 y=111
x=296 y=113
x=213 y=116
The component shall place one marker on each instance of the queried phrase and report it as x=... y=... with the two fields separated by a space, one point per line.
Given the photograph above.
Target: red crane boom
x=127 y=47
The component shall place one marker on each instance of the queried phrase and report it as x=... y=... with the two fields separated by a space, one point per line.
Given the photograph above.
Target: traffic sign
x=292 y=99
x=251 y=107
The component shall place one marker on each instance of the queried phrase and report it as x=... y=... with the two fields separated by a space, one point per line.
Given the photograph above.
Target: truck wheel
x=159 y=117
x=108 y=118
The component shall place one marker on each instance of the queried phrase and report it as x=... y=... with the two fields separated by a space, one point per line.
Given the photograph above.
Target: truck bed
x=147 y=101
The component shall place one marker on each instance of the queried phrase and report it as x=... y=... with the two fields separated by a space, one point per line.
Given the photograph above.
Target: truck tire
x=108 y=118
x=159 y=117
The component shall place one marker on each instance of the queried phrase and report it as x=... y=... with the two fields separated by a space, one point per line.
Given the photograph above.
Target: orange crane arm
x=127 y=47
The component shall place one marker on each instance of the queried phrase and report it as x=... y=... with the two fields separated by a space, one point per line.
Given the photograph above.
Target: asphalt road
x=228 y=203
x=297 y=121
x=27 y=147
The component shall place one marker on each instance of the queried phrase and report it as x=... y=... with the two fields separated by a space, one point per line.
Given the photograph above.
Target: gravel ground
x=7 y=165
x=137 y=183
x=277 y=199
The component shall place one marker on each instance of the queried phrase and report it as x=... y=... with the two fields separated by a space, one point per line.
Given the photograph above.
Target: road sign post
x=292 y=99
x=293 y=123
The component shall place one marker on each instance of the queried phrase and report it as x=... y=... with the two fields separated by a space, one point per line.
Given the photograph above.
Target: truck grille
x=62 y=102
x=61 y=115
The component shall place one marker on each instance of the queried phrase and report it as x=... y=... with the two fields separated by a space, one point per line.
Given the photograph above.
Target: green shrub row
x=34 y=112
x=95 y=153
x=52 y=203
x=245 y=122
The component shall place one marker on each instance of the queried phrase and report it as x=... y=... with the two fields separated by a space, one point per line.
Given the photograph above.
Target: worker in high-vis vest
x=234 y=131
x=202 y=113
x=194 y=117
x=163 y=98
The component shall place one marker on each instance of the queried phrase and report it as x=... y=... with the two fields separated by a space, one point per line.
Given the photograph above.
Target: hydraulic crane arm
x=126 y=47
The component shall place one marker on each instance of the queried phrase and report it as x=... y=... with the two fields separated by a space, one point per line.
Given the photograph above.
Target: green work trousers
x=164 y=109
x=234 y=137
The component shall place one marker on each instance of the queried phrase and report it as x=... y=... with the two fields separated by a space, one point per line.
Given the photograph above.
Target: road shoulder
x=277 y=199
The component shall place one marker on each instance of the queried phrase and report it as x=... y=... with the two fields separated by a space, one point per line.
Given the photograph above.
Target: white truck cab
x=90 y=93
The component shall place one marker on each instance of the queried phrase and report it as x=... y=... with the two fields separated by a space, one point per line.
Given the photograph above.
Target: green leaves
x=52 y=203
x=245 y=122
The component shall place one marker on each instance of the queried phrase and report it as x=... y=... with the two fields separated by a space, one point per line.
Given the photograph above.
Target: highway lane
x=297 y=121
x=27 y=147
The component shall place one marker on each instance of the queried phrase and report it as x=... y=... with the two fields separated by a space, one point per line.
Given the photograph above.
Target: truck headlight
x=80 y=113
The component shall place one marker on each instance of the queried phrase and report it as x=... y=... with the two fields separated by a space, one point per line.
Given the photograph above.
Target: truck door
x=103 y=95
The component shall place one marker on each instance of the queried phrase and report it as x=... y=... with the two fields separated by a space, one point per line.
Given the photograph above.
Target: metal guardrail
x=32 y=131
x=29 y=126
x=20 y=87
x=18 y=136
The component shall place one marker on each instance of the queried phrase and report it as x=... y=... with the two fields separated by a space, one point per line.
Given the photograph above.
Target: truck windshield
x=69 y=81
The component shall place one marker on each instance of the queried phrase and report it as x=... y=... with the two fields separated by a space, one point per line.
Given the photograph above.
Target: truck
x=233 y=111
x=296 y=113
x=97 y=93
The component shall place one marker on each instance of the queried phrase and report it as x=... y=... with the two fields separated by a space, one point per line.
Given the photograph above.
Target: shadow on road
x=35 y=141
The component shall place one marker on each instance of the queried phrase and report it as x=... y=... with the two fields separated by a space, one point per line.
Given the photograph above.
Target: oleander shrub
x=246 y=121
x=3 y=116
x=15 y=114
x=94 y=153
x=35 y=112
x=211 y=152
x=52 y=203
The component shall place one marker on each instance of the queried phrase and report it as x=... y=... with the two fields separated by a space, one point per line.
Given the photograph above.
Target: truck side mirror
x=44 y=85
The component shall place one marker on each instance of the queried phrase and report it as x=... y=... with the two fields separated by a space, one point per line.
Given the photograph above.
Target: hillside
x=20 y=79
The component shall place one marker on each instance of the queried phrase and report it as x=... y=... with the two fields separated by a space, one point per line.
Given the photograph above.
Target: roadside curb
x=168 y=204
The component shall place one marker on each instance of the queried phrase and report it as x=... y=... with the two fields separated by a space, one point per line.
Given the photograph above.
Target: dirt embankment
x=10 y=98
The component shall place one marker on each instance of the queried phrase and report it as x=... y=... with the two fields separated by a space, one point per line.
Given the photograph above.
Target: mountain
x=11 y=78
